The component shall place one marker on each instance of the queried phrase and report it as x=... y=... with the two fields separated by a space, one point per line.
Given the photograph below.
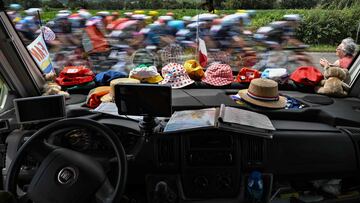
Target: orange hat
x=94 y=97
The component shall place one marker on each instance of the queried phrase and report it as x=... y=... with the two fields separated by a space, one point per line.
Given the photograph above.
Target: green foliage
x=339 y=4
x=249 y=4
x=329 y=26
x=47 y=5
x=319 y=26
x=296 y=4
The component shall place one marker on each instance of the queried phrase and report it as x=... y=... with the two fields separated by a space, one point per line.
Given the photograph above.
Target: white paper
x=248 y=118
x=111 y=108
x=190 y=119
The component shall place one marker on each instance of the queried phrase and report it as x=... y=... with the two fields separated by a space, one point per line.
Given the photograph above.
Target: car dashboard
x=213 y=165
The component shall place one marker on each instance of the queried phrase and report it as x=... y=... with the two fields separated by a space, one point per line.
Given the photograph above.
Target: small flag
x=49 y=35
x=40 y=54
x=203 y=58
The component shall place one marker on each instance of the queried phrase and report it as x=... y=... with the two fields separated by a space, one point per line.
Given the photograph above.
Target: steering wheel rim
x=14 y=169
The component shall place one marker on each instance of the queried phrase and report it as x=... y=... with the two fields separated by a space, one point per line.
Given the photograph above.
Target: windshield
x=80 y=45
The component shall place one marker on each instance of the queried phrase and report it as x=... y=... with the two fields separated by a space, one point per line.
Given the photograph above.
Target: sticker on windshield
x=40 y=54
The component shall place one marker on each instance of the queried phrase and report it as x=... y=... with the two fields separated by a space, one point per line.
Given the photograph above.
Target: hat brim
x=177 y=83
x=218 y=83
x=154 y=79
x=197 y=68
x=281 y=103
x=185 y=83
x=106 y=98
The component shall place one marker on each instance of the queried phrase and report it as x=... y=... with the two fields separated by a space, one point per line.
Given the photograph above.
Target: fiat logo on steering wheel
x=67 y=176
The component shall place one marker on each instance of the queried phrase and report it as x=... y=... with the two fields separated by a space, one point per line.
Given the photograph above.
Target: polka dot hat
x=175 y=75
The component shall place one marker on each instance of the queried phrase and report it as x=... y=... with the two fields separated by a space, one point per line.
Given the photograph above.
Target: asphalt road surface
x=330 y=56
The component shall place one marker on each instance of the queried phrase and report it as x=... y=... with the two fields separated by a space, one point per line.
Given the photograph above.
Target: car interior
x=57 y=150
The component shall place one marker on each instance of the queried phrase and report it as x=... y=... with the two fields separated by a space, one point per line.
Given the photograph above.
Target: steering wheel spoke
x=104 y=193
x=24 y=198
x=41 y=150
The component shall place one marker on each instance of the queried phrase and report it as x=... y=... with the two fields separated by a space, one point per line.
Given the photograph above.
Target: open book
x=226 y=118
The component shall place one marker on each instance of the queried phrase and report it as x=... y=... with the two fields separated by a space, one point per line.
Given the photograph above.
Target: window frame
x=17 y=67
x=354 y=72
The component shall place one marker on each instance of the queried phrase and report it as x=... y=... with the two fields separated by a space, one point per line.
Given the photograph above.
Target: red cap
x=247 y=74
x=307 y=75
x=75 y=75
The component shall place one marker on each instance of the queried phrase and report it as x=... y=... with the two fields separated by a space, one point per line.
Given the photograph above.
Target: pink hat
x=218 y=75
x=175 y=75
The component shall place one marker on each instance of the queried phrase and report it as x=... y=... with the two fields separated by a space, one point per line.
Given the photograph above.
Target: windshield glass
x=80 y=45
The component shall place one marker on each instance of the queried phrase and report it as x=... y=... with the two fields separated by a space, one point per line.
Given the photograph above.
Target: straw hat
x=264 y=93
x=110 y=97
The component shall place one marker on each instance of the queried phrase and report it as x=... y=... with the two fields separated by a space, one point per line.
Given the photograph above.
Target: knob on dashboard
x=161 y=187
x=223 y=182
x=201 y=182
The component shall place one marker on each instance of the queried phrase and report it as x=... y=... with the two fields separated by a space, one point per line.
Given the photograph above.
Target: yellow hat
x=110 y=97
x=194 y=70
x=154 y=79
x=153 y=13
x=139 y=12
x=241 y=11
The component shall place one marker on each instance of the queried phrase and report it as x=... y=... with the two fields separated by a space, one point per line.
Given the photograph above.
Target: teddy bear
x=333 y=83
x=52 y=88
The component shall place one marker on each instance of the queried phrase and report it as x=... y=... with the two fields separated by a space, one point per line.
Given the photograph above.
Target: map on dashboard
x=225 y=118
x=190 y=119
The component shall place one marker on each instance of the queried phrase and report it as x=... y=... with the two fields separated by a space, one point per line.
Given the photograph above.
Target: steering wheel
x=65 y=175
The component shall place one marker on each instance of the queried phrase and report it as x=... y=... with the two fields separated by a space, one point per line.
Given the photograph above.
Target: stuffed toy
x=333 y=84
x=50 y=76
x=52 y=88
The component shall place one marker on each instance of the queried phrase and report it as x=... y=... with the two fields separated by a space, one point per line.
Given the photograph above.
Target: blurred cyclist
x=14 y=12
x=30 y=24
x=109 y=19
x=289 y=34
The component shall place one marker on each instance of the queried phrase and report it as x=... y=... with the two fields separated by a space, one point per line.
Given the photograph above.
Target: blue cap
x=104 y=78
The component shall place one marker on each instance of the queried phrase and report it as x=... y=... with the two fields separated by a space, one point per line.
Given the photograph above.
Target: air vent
x=3 y=149
x=254 y=152
x=166 y=152
x=354 y=131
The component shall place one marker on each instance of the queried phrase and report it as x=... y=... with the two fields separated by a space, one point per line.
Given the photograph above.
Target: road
x=330 y=56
